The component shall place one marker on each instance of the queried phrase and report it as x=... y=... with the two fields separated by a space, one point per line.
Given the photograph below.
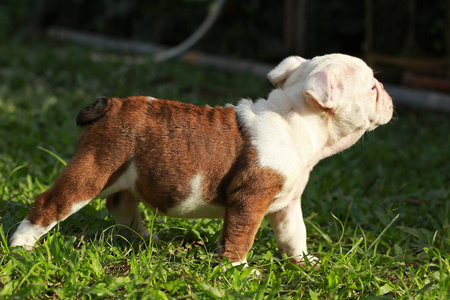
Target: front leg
x=246 y=207
x=241 y=223
x=290 y=232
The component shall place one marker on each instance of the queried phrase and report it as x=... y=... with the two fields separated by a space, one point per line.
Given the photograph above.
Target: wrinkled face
x=361 y=99
x=340 y=84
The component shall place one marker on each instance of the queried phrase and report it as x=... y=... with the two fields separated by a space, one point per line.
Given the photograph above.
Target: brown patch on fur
x=249 y=195
x=102 y=150
x=169 y=143
x=181 y=140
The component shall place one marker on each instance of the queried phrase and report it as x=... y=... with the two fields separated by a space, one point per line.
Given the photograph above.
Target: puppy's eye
x=373 y=88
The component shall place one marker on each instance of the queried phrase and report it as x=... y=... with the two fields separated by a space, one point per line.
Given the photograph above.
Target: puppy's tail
x=93 y=112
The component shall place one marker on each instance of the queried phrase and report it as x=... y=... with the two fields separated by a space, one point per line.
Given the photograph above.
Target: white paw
x=27 y=234
x=301 y=261
x=17 y=241
x=234 y=264
x=254 y=272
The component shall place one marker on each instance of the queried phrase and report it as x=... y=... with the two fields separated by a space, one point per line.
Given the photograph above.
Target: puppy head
x=341 y=85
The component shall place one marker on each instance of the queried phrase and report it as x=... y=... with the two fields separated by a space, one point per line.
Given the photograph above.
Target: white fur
x=27 y=234
x=236 y=263
x=125 y=182
x=195 y=206
x=254 y=272
x=284 y=69
x=292 y=133
x=279 y=143
x=124 y=214
x=76 y=207
x=289 y=228
x=289 y=133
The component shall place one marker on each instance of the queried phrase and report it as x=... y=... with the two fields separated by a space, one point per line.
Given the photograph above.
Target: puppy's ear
x=280 y=74
x=324 y=88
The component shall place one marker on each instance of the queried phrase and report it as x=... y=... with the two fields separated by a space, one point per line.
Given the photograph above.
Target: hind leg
x=124 y=209
x=80 y=182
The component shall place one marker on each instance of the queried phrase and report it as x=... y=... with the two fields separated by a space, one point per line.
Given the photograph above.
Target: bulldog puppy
x=239 y=163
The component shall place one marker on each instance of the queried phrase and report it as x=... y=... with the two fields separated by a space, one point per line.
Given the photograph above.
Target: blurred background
x=406 y=40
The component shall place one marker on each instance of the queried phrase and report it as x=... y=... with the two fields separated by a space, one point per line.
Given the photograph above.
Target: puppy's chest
x=287 y=156
x=292 y=191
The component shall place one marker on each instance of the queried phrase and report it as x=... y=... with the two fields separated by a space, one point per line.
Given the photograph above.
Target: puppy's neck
x=312 y=122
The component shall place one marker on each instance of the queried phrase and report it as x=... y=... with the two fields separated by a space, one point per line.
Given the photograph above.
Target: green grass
x=377 y=214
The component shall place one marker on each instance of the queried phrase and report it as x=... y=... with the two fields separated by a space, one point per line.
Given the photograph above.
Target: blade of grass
x=323 y=234
x=9 y=176
x=4 y=241
x=355 y=246
x=54 y=155
x=342 y=227
x=382 y=233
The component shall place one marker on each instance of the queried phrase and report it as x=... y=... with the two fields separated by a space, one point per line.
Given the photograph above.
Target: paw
x=27 y=234
x=253 y=272
x=234 y=264
x=21 y=241
x=302 y=261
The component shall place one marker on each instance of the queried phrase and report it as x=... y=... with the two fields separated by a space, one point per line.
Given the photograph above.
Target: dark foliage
x=252 y=29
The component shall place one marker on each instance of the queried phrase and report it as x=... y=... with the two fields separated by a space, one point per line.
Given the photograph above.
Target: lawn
x=377 y=215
